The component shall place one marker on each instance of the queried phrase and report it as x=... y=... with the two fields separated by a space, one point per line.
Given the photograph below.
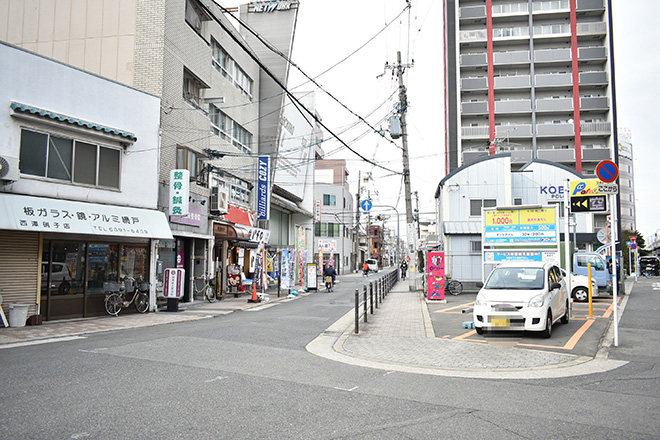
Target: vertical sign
x=436 y=275
x=179 y=192
x=173 y=283
x=263 y=173
x=317 y=210
x=285 y=280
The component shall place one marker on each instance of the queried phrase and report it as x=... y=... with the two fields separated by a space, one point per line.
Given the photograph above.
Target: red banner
x=435 y=282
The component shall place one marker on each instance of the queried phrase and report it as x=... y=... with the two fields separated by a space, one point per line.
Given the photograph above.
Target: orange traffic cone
x=255 y=298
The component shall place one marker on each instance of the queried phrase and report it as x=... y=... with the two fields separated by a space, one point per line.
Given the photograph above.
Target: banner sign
x=263 y=202
x=436 y=275
x=285 y=280
x=501 y=256
x=173 y=283
x=520 y=226
x=179 y=192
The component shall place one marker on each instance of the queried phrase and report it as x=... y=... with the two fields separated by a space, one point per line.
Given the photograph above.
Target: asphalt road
x=247 y=375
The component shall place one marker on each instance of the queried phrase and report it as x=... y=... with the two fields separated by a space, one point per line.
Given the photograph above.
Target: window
x=69 y=160
x=329 y=200
x=517 y=201
x=187 y=159
x=226 y=65
x=195 y=17
x=327 y=229
x=477 y=204
x=240 y=191
x=192 y=88
x=475 y=246
x=230 y=130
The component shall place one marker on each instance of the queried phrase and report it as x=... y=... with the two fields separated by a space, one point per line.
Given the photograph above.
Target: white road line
x=346 y=389
x=41 y=341
x=217 y=378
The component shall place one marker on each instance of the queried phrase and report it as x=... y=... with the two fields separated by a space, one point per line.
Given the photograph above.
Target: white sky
x=328 y=31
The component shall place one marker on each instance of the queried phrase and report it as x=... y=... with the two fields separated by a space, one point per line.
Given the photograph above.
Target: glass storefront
x=73 y=274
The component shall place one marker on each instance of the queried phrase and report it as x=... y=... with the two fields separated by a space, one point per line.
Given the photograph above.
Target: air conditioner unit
x=219 y=200
x=9 y=168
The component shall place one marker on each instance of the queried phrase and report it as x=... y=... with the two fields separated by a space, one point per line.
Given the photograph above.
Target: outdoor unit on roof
x=9 y=169
x=219 y=200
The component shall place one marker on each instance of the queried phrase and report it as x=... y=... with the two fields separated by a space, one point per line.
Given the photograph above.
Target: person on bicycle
x=330 y=272
x=365 y=268
x=404 y=268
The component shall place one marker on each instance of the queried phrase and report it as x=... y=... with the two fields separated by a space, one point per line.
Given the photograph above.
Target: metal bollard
x=357 y=312
x=366 y=303
x=371 y=297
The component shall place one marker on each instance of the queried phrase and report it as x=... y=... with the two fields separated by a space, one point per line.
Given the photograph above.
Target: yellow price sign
x=502 y=218
x=542 y=216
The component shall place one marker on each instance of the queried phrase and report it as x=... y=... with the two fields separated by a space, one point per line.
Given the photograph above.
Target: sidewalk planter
x=18 y=315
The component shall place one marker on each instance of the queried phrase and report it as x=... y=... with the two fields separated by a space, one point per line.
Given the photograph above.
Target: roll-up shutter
x=19 y=269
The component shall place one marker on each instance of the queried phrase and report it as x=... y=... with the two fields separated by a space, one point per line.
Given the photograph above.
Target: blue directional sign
x=366 y=205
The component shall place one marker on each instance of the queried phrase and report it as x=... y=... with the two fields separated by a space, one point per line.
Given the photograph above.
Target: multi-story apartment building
x=626 y=180
x=188 y=53
x=333 y=228
x=528 y=77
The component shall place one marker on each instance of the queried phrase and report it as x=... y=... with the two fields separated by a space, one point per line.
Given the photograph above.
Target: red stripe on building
x=576 y=88
x=491 y=75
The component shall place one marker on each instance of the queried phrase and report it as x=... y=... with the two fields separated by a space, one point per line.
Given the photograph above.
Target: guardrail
x=373 y=294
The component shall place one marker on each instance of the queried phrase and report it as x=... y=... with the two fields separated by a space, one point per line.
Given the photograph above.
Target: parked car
x=373 y=264
x=522 y=295
x=59 y=278
x=580 y=287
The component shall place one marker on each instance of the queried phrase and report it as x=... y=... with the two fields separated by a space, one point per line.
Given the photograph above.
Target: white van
x=373 y=264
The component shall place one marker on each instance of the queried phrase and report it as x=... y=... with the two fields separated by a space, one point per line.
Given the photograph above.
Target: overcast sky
x=329 y=31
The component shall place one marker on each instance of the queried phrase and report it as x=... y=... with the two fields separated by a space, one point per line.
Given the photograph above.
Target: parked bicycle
x=115 y=299
x=454 y=287
x=207 y=288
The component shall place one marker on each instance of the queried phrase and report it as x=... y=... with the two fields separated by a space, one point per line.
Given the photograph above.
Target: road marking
x=41 y=341
x=80 y=435
x=461 y=306
x=96 y=350
x=346 y=389
x=259 y=308
x=389 y=372
x=217 y=378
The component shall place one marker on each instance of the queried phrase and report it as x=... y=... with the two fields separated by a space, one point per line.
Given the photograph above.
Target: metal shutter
x=19 y=269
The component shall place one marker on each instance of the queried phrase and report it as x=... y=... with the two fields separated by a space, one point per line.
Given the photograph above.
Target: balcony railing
x=554 y=105
x=474 y=83
x=472 y=36
x=555 y=130
x=597 y=28
x=512 y=82
x=475 y=132
x=595 y=128
x=472 y=12
x=474 y=108
x=513 y=57
x=513 y=106
x=552 y=55
x=553 y=80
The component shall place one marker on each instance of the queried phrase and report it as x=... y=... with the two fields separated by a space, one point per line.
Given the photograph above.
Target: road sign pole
x=615 y=281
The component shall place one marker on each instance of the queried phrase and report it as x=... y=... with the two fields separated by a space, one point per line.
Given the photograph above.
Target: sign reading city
x=366 y=205
x=520 y=226
x=586 y=197
x=607 y=171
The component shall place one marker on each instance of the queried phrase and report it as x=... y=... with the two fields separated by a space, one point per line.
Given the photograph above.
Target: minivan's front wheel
x=581 y=294
x=548 y=326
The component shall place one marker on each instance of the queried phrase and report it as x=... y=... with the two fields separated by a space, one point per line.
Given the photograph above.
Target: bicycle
x=329 y=284
x=207 y=289
x=116 y=301
x=454 y=287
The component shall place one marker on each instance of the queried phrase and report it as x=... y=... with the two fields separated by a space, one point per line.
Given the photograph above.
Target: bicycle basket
x=143 y=287
x=111 y=286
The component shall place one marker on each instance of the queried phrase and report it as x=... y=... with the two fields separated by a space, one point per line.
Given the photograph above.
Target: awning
x=38 y=214
x=462 y=227
x=47 y=114
x=231 y=232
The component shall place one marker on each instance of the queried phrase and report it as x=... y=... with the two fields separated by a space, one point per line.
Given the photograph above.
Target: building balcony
x=513 y=131
x=595 y=154
x=552 y=55
x=473 y=59
x=473 y=36
x=472 y=12
x=590 y=5
x=474 y=108
x=595 y=128
x=551 y=7
x=562 y=105
x=553 y=80
x=555 y=130
x=513 y=106
x=598 y=53
x=593 y=79
x=468 y=84
x=480 y=132
x=512 y=82
x=594 y=103
x=559 y=155
x=513 y=57
x=592 y=29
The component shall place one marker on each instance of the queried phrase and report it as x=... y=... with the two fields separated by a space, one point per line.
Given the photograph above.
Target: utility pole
x=357 y=222
x=403 y=107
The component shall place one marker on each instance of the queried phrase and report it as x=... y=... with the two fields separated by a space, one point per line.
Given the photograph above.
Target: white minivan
x=522 y=295
x=373 y=264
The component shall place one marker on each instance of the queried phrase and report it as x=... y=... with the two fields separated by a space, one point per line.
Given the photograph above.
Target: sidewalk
x=399 y=337
x=199 y=309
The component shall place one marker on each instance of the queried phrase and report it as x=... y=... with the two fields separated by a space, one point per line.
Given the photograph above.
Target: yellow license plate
x=500 y=322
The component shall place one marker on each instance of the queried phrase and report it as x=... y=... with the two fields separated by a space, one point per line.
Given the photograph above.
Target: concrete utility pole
x=403 y=107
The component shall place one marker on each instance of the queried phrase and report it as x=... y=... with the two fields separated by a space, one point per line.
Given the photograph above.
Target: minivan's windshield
x=516 y=278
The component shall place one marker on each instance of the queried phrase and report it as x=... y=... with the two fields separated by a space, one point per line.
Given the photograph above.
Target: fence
x=372 y=294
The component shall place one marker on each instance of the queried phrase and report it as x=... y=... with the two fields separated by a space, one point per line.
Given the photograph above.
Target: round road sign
x=366 y=205
x=607 y=171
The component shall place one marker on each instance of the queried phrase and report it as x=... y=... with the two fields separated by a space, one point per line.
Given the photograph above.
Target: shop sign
x=173 y=283
x=179 y=192
x=260 y=236
x=285 y=275
x=40 y=214
x=491 y=257
x=267 y=7
x=194 y=218
x=328 y=245
x=520 y=226
x=263 y=173
x=317 y=210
